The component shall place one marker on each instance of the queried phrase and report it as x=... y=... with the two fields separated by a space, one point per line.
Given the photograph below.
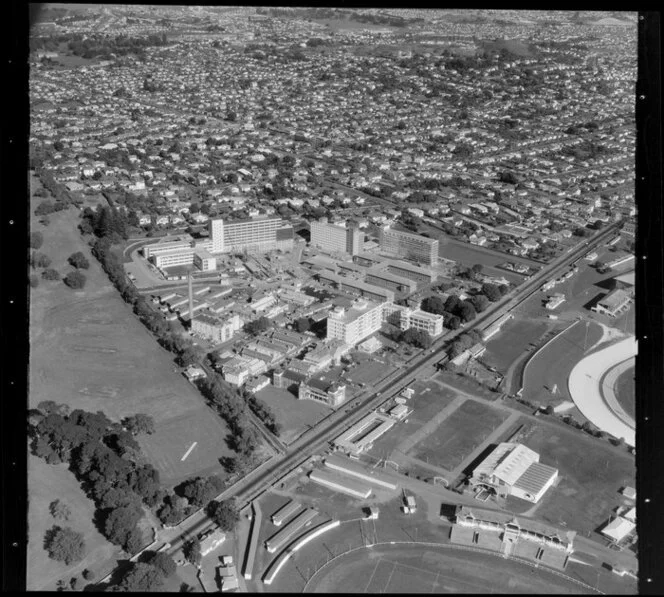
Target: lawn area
x=47 y=483
x=512 y=341
x=552 y=365
x=458 y=435
x=429 y=399
x=294 y=415
x=419 y=568
x=625 y=391
x=592 y=472
x=89 y=351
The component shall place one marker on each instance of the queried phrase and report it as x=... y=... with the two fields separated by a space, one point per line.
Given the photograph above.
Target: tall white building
x=253 y=235
x=355 y=324
x=336 y=238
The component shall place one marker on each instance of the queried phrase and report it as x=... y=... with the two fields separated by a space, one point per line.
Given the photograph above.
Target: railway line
x=256 y=482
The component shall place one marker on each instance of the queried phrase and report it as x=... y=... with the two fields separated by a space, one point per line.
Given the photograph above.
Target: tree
x=452 y=303
x=477 y=268
x=33 y=280
x=59 y=510
x=224 y=513
x=141 y=578
x=120 y=522
x=78 y=260
x=51 y=274
x=163 y=562
x=480 y=302
x=192 y=552
x=491 y=291
x=231 y=116
x=88 y=574
x=36 y=240
x=467 y=311
x=433 y=304
x=75 y=280
x=302 y=324
x=452 y=322
x=64 y=545
x=549 y=410
x=503 y=289
x=139 y=423
x=40 y=260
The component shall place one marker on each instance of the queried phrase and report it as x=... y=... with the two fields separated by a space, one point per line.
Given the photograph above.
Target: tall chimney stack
x=191 y=302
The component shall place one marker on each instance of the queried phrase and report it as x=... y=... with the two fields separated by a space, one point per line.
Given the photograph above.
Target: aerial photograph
x=331 y=299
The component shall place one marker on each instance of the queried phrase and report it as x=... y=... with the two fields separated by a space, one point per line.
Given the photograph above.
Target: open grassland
x=592 y=473
x=425 y=569
x=295 y=416
x=89 y=351
x=625 y=391
x=47 y=483
x=459 y=434
x=428 y=401
x=553 y=364
x=512 y=341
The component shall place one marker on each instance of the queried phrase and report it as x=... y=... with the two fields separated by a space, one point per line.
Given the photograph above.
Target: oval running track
x=585 y=388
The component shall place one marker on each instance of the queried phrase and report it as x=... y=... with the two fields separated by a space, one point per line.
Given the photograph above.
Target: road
x=317 y=439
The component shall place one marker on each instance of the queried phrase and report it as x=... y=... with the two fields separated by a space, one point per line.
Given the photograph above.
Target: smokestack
x=191 y=302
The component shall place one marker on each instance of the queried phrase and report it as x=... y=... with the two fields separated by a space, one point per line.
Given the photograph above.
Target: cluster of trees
x=75 y=280
x=577 y=129
x=146 y=575
x=263 y=412
x=64 y=545
x=464 y=342
x=231 y=406
x=414 y=337
x=587 y=150
x=107 y=460
x=46 y=208
x=91 y=46
x=78 y=260
x=36 y=240
x=224 y=513
x=258 y=326
x=508 y=177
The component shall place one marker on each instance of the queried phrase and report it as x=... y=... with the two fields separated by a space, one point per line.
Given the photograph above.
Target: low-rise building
x=613 y=304
x=330 y=393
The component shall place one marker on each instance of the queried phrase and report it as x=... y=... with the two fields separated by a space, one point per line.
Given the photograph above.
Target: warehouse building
x=390 y=281
x=613 y=304
x=368 y=291
x=348 y=467
x=513 y=469
x=285 y=512
x=288 y=533
x=341 y=484
x=252 y=543
x=361 y=436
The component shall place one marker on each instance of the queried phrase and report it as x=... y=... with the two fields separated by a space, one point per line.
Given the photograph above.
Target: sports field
x=428 y=401
x=552 y=365
x=295 y=416
x=427 y=569
x=89 y=351
x=625 y=392
x=592 y=472
x=512 y=341
x=459 y=434
x=47 y=483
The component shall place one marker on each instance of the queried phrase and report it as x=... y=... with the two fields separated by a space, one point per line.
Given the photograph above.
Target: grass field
x=90 y=352
x=429 y=399
x=512 y=341
x=45 y=484
x=552 y=365
x=592 y=472
x=459 y=434
x=625 y=391
x=294 y=415
x=424 y=569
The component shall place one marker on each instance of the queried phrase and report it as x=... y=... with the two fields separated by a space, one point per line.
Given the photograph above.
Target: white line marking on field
x=188 y=451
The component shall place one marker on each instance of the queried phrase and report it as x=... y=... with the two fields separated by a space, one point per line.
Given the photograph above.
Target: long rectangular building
x=343 y=485
x=348 y=467
x=259 y=234
x=252 y=544
x=369 y=291
x=410 y=246
x=287 y=533
x=285 y=512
